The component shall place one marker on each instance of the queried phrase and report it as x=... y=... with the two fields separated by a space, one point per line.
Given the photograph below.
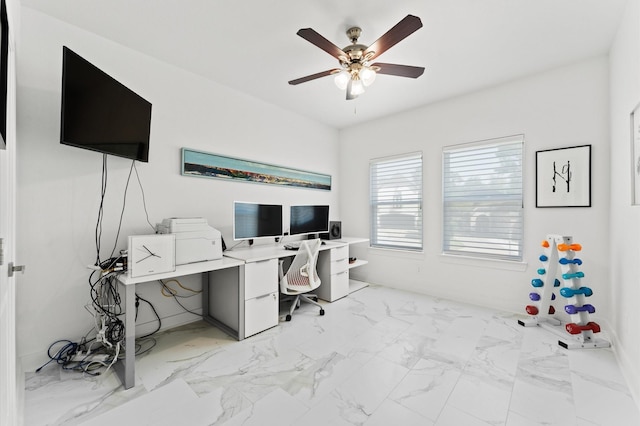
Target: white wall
x=59 y=186
x=624 y=241
x=560 y=108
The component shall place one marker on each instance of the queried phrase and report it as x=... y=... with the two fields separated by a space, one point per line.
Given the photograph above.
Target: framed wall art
x=563 y=177
x=207 y=165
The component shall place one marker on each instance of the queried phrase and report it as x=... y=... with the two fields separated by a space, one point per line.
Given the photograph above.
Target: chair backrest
x=302 y=274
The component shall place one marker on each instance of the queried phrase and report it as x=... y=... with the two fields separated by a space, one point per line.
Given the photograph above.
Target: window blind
x=483 y=200
x=396 y=202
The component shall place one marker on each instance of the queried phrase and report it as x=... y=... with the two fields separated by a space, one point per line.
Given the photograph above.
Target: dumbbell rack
x=559 y=265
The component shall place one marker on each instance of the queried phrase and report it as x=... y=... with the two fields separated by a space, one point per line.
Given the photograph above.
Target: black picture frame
x=563 y=177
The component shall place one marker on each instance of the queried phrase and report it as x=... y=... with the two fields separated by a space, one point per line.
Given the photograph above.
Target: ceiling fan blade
x=314 y=38
x=313 y=76
x=399 y=32
x=399 y=70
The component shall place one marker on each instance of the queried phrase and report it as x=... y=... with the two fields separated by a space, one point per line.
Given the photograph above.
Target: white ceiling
x=252 y=46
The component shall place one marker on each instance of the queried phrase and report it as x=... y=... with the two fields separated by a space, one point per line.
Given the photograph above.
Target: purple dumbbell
x=572 y=309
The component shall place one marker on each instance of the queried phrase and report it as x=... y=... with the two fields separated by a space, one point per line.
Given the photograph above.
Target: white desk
x=243 y=299
x=256 y=287
x=125 y=368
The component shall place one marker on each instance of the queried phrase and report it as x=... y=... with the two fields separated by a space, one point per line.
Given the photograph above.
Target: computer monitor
x=308 y=220
x=253 y=220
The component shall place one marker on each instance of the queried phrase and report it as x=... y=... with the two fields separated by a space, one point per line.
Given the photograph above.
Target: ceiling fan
x=356 y=70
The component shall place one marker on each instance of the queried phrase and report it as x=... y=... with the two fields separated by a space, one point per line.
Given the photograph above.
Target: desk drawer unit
x=260 y=313
x=260 y=296
x=333 y=268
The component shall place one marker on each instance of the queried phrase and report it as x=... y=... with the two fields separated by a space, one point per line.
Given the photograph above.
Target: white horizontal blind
x=482 y=199
x=396 y=202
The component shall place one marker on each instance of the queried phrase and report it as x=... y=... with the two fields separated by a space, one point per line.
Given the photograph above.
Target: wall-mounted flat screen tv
x=101 y=114
x=308 y=219
x=253 y=220
x=4 y=73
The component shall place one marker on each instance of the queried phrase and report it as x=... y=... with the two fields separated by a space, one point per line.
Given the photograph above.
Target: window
x=396 y=202
x=482 y=199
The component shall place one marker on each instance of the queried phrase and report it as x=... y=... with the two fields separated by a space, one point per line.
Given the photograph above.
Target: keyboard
x=295 y=245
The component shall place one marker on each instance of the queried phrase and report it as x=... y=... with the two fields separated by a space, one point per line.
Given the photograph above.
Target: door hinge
x=15 y=268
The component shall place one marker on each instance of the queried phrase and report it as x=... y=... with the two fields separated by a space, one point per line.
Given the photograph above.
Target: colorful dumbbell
x=567 y=247
x=570 y=275
x=543 y=258
x=537 y=282
x=565 y=261
x=573 y=328
x=534 y=296
x=542 y=271
x=533 y=310
x=572 y=309
x=570 y=292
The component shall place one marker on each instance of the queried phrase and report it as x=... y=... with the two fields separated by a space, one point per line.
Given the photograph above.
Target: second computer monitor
x=308 y=220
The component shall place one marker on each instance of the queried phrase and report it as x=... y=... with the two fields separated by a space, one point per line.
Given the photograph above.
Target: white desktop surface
x=258 y=253
x=182 y=270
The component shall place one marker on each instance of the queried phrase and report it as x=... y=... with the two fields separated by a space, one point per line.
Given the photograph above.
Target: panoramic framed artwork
x=208 y=165
x=563 y=177
x=635 y=155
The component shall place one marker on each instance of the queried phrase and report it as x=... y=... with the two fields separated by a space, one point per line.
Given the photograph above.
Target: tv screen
x=308 y=219
x=252 y=220
x=101 y=114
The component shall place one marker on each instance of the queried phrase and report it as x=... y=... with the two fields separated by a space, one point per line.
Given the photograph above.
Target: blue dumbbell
x=534 y=296
x=537 y=282
x=570 y=275
x=541 y=271
x=565 y=261
x=569 y=292
x=543 y=258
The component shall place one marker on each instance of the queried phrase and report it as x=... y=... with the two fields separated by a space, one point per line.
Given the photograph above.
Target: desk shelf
x=358 y=262
x=355 y=285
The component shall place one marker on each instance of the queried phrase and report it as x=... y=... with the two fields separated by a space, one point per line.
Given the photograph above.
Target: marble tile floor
x=378 y=357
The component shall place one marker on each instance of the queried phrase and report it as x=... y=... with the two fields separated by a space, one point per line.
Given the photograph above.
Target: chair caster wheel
x=288 y=318
x=321 y=311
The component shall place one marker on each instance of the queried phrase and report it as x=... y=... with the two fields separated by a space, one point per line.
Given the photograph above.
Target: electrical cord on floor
x=73 y=356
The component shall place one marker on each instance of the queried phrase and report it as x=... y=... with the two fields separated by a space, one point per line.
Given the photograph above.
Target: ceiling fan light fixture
x=357 y=88
x=342 y=79
x=368 y=76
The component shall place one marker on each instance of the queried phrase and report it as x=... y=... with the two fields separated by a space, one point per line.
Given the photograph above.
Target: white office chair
x=301 y=276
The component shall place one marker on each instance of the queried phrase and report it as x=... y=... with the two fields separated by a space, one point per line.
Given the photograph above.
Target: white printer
x=196 y=241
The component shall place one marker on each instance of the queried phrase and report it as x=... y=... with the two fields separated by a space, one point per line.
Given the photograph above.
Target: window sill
x=484 y=263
